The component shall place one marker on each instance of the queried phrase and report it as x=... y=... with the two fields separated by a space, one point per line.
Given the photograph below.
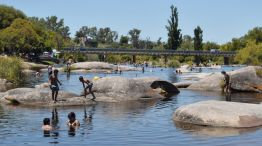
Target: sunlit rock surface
x=220 y=113
x=247 y=79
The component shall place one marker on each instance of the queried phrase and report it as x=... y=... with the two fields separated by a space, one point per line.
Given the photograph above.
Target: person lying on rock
x=227 y=82
x=53 y=84
x=87 y=84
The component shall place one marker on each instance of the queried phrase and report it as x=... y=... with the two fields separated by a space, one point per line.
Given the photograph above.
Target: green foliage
x=11 y=69
x=174 y=34
x=20 y=36
x=8 y=15
x=124 y=40
x=134 y=37
x=198 y=38
x=173 y=63
x=251 y=54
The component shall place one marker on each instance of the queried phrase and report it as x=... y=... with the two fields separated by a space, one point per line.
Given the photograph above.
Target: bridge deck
x=149 y=52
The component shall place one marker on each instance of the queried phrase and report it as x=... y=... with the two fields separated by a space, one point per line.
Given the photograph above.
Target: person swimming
x=72 y=122
x=46 y=125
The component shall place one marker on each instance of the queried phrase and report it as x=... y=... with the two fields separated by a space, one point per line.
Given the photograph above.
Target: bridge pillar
x=134 y=58
x=165 y=60
x=226 y=60
x=197 y=60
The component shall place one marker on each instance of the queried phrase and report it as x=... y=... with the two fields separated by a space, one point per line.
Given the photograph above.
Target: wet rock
x=247 y=79
x=220 y=114
x=42 y=97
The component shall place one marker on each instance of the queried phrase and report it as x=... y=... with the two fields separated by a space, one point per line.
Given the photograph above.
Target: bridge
x=151 y=52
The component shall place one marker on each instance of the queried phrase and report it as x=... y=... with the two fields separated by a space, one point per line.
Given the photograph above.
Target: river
x=130 y=124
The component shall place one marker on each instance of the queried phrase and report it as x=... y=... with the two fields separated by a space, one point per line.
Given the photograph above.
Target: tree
x=174 y=33
x=20 y=37
x=198 y=38
x=8 y=15
x=251 y=54
x=52 y=23
x=187 y=43
x=134 y=37
x=123 y=40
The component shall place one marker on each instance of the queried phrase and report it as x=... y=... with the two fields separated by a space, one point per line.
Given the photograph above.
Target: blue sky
x=221 y=20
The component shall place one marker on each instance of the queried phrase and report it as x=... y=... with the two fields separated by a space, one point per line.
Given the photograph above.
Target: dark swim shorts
x=54 y=87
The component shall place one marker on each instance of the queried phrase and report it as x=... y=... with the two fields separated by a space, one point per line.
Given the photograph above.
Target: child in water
x=72 y=122
x=46 y=125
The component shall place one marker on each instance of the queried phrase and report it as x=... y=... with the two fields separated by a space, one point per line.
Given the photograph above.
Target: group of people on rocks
x=54 y=81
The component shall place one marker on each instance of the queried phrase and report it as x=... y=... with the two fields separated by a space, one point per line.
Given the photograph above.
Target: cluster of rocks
x=109 y=89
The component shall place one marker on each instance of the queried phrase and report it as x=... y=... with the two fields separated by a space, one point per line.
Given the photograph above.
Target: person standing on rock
x=227 y=82
x=87 y=85
x=53 y=83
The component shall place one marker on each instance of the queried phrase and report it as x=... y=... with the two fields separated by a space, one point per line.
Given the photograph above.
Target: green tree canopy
x=198 y=38
x=174 y=33
x=20 y=36
x=251 y=54
x=8 y=15
x=134 y=37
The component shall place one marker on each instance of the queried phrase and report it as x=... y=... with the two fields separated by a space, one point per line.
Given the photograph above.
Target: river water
x=130 y=124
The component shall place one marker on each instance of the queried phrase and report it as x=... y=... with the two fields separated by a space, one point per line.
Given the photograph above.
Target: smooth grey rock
x=220 y=113
x=42 y=97
x=101 y=67
x=245 y=79
x=115 y=89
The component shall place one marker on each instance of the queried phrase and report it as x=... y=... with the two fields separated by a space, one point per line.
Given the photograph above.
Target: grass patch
x=11 y=69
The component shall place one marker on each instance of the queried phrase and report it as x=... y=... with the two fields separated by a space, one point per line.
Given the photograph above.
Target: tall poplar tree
x=174 y=33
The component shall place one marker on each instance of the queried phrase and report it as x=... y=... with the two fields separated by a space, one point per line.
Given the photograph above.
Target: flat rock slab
x=220 y=114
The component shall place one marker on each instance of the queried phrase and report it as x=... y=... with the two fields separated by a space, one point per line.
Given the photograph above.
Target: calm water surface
x=132 y=123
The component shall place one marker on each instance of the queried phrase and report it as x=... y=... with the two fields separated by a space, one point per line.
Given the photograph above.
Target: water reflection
x=213 y=131
x=120 y=110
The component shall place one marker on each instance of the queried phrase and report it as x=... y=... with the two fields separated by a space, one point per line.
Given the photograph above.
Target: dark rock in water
x=166 y=86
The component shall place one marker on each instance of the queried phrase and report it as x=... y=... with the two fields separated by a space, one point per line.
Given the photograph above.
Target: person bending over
x=87 y=85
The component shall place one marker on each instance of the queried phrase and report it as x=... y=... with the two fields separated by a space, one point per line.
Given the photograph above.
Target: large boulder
x=5 y=85
x=246 y=79
x=115 y=89
x=41 y=97
x=100 y=66
x=220 y=113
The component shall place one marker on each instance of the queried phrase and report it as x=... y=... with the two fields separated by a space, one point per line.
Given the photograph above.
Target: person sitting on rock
x=53 y=83
x=87 y=85
x=72 y=122
x=227 y=82
x=46 y=125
